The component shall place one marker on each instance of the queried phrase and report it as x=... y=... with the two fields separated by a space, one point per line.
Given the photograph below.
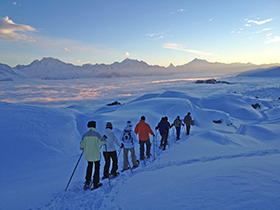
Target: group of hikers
x=92 y=140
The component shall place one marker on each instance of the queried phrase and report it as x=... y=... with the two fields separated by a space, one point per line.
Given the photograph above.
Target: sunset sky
x=158 y=32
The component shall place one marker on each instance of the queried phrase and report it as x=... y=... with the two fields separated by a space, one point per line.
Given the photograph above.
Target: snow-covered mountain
x=7 y=73
x=53 y=69
x=49 y=68
x=208 y=68
x=269 y=72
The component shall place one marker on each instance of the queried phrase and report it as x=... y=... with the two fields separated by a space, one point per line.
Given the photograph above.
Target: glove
x=122 y=145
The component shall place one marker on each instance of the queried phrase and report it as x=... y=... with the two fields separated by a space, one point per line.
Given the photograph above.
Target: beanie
x=109 y=125
x=128 y=123
x=91 y=124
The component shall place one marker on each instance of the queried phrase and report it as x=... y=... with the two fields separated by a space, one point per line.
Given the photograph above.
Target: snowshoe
x=115 y=174
x=97 y=186
x=135 y=166
x=105 y=177
x=125 y=169
x=86 y=187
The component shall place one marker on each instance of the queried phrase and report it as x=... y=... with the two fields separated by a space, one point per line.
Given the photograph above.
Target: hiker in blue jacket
x=163 y=130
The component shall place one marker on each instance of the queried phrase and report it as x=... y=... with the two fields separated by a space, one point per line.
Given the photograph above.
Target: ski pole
x=108 y=159
x=119 y=152
x=154 y=146
x=74 y=170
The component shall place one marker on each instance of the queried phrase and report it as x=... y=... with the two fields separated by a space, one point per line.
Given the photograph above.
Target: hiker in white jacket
x=129 y=138
x=110 y=151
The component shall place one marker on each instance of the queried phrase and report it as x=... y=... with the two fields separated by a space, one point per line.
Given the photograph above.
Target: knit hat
x=128 y=123
x=91 y=124
x=109 y=125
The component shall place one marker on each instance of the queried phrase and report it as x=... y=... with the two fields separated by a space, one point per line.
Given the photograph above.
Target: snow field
x=231 y=165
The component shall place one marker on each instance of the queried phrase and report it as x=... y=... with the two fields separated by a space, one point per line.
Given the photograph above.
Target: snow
x=231 y=165
x=270 y=72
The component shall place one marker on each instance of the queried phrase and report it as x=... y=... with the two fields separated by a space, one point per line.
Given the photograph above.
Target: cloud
x=260 y=22
x=273 y=40
x=126 y=53
x=8 y=28
x=159 y=35
x=175 y=46
x=66 y=49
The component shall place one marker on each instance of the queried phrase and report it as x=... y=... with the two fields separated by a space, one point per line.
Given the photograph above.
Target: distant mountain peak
x=198 y=61
x=171 y=65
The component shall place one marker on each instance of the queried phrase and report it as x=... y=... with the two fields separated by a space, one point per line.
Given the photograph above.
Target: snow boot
x=97 y=186
x=105 y=177
x=115 y=174
x=86 y=186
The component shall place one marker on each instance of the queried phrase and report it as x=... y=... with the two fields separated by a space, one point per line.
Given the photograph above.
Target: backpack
x=126 y=137
x=177 y=123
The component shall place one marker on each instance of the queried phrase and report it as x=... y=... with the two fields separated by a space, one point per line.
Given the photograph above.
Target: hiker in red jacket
x=143 y=130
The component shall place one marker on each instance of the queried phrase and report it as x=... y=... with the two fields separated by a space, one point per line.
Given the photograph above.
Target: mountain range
x=54 y=69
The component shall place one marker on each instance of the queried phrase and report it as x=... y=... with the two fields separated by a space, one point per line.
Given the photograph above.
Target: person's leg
x=114 y=157
x=164 y=135
x=178 y=132
x=89 y=172
x=148 y=148
x=188 y=129
x=96 y=176
x=161 y=141
x=107 y=164
x=133 y=157
x=125 y=159
x=142 y=150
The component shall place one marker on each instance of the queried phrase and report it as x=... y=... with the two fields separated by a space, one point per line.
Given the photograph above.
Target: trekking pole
x=107 y=157
x=169 y=140
x=119 y=152
x=154 y=147
x=74 y=170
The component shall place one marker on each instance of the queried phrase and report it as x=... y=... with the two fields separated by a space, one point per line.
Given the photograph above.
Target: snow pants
x=188 y=127
x=108 y=156
x=178 y=129
x=163 y=141
x=96 y=178
x=148 y=149
x=125 y=158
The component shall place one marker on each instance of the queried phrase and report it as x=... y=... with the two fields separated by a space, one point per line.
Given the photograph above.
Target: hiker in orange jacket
x=143 y=130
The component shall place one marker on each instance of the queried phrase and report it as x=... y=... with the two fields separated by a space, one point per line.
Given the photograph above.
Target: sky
x=158 y=32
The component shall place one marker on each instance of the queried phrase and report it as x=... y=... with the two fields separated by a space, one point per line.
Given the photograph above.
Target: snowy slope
x=231 y=165
x=269 y=72
x=7 y=73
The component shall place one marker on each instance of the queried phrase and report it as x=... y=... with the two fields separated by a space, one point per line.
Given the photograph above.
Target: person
x=90 y=144
x=177 y=124
x=187 y=121
x=128 y=138
x=163 y=130
x=143 y=130
x=110 y=151
x=169 y=126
